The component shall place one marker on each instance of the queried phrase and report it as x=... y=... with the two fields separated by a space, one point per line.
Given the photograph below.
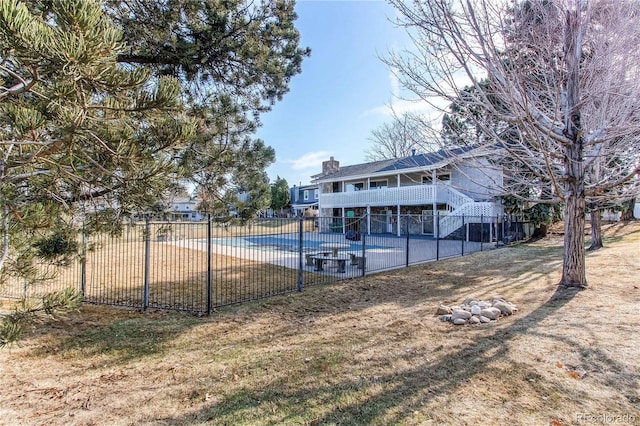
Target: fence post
x=83 y=264
x=481 y=231
x=464 y=232
x=437 y=235
x=209 y=264
x=364 y=253
x=147 y=238
x=407 y=250
x=300 y=242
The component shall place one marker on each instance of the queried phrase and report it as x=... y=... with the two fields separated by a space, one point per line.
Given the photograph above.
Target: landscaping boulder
x=473 y=311
x=504 y=307
x=460 y=314
x=443 y=310
x=468 y=301
x=491 y=313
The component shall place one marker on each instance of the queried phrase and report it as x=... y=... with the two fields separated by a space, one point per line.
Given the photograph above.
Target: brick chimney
x=330 y=167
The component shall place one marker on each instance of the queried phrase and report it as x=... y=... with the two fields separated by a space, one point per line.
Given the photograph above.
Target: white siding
x=477 y=179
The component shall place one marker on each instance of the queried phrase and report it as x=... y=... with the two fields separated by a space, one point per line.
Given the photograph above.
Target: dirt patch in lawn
x=367 y=351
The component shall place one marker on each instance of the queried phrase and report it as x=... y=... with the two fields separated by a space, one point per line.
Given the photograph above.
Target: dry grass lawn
x=366 y=351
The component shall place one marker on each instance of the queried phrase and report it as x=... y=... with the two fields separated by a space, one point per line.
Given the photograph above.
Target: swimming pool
x=278 y=243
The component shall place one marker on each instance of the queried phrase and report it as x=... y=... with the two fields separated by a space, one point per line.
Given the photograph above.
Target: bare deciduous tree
x=563 y=73
x=396 y=139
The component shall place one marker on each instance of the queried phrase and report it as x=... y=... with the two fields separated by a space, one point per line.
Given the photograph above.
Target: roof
x=418 y=161
x=304 y=187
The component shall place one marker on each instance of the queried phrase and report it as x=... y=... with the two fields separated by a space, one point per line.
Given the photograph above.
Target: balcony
x=404 y=195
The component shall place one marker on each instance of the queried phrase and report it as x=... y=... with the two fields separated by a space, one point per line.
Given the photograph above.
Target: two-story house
x=446 y=188
x=304 y=198
x=184 y=208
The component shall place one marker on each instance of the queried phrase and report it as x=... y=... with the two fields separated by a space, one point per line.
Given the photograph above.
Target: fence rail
x=200 y=266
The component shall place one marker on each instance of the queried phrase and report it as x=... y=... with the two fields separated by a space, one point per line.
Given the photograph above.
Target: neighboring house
x=303 y=198
x=184 y=209
x=173 y=208
x=424 y=186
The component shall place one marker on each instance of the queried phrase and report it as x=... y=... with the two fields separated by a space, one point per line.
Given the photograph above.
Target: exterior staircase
x=469 y=212
x=463 y=211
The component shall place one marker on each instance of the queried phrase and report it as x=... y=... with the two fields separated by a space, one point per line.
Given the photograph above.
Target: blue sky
x=343 y=92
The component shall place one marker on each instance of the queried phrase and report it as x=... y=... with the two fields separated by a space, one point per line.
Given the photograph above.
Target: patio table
x=334 y=247
x=341 y=262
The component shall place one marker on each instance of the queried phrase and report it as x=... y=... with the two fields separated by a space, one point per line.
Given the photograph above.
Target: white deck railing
x=404 y=195
x=454 y=198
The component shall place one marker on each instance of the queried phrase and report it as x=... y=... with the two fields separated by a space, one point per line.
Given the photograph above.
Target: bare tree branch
x=555 y=84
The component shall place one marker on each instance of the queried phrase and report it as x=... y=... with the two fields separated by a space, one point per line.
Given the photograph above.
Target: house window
x=443 y=177
x=358 y=186
x=306 y=195
x=315 y=194
x=377 y=184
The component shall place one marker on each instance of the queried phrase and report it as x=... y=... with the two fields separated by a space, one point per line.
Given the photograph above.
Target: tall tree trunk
x=596 y=229
x=573 y=268
x=627 y=213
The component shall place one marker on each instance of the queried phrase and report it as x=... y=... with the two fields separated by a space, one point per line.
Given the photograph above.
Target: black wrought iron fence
x=200 y=266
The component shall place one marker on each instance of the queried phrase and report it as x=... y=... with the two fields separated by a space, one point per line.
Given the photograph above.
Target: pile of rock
x=473 y=311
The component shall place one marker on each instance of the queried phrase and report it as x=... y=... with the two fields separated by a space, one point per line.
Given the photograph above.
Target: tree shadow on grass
x=395 y=396
x=138 y=335
x=119 y=341
x=187 y=290
x=123 y=340
x=392 y=396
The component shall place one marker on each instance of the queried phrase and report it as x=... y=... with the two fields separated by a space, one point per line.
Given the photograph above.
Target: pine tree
x=112 y=103
x=280 y=196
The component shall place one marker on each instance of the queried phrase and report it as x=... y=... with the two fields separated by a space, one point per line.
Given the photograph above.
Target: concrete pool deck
x=382 y=252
